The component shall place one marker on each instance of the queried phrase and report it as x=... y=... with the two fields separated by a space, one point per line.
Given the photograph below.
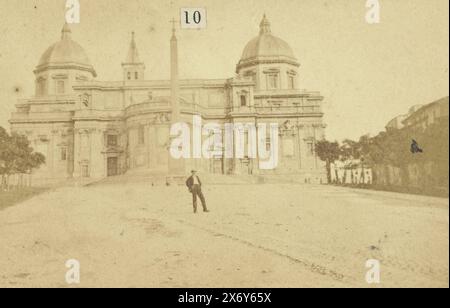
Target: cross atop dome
x=264 y=26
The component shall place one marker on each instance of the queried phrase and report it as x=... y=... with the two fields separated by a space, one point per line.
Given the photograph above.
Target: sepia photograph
x=212 y=146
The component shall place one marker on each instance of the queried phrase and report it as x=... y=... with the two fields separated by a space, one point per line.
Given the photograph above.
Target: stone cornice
x=65 y=66
x=300 y=95
x=40 y=121
x=258 y=61
x=150 y=84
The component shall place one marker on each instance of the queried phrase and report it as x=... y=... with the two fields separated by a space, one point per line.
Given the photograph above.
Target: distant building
x=420 y=173
x=397 y=122
x=428 y=114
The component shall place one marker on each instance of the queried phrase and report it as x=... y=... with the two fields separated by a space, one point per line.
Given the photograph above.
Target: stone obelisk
x=176 y=166
x=174 y=78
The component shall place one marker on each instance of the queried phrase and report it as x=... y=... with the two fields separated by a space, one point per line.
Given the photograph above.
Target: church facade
x=96 y=129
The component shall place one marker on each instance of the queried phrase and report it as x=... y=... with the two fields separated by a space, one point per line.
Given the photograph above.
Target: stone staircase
x=162 y=179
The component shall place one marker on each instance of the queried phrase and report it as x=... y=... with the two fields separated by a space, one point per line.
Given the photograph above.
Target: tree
x=4 y=146
x=364 y=149
x=348 y=149
x=434 y=141
x=17 y=156
x=396 y=146
x=393 y=148
x=328 y=152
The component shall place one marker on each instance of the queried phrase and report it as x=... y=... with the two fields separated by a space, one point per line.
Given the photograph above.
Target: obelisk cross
x=173 y=21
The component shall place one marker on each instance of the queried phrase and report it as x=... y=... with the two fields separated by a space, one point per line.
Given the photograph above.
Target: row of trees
x=397 y=148
x=16 y=156
x=348 y=150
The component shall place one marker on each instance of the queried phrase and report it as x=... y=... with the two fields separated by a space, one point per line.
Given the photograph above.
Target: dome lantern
x=66 y=33
x=264 y=26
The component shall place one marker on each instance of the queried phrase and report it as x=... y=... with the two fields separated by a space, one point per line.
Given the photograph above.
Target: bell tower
x=133 y=68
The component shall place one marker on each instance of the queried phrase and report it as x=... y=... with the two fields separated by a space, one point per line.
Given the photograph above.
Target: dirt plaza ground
x=271 y=235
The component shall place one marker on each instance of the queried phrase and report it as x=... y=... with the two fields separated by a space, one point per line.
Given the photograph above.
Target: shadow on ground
x=15 y=196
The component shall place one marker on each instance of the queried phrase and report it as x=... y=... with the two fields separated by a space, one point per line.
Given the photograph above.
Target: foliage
x=16 y=155
x=329 y=152
x=394 y=148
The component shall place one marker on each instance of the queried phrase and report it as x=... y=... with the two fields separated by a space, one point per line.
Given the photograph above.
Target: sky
x=367 y=73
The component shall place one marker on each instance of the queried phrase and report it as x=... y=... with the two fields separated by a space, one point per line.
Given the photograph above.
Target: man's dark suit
x=196 y=190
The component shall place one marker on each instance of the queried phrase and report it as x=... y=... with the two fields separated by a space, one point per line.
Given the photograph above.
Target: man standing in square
x=195 y=187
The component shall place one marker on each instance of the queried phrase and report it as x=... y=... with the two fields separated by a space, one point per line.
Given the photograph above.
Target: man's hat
x=193 y=171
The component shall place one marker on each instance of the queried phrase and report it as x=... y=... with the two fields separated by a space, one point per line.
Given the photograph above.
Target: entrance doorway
x=113 y=166
x=217 y=166
x=85 y=171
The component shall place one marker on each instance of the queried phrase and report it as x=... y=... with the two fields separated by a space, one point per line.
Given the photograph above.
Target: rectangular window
x=85 y=171
x=63 y=154
x=136 y=75
x=60 y=87
x=273 y=81
x=291 y=82
x=112 y=140
x=41 y=87
x=268 y=144
x=288 y=147
x=310 y=148
x=243 y=100
x=141 y=135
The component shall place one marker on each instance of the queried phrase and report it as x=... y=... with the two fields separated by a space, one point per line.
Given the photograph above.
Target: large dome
x=65 y=53
x=267 y=47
